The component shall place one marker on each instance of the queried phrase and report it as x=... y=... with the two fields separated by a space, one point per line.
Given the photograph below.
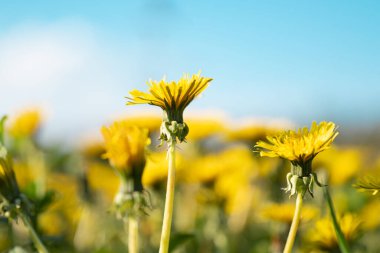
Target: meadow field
x=227 y=197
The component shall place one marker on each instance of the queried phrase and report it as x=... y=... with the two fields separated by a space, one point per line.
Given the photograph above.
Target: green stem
x=33 y=234
x=168 y=213
x=294 y=226
x=343 y=246
x=133 y=235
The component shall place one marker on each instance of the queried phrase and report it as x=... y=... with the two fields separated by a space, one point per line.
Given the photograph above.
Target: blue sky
x=299 y=60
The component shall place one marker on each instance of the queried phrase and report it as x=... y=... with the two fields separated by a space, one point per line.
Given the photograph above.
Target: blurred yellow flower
x=251 y=133
x=284 y=212
x=25 y=124
x=301 y=146
x=203 y=128
x=125 y=147
x=323 y=235
x=156 y=170
x=370 y=215
x=102 y=180
x=66 y=205
x=46 y=221
x=204 y=169
x=234 y=180
x=341 y=164
x=153 y=123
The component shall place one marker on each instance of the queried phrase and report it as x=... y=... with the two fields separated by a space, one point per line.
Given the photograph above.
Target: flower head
x=271 y=212
x=125 y=147
x=25 y=124
x=173 y=98
x=299 y=146
x=323 y=235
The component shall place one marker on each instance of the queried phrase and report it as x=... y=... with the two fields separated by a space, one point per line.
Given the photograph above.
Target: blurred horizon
x=293 y=61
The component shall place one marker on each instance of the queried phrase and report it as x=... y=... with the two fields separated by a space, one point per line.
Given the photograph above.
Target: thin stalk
x=133 y=235
x=294 y=226
x=33 y=234
x=168 y=212
x=342 y=243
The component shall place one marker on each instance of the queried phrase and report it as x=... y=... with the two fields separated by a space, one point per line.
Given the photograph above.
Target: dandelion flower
x=300 y=146
x=125 y=147
x=25 y=124
x=173 y=98
x=323 y=234
x=271 y=212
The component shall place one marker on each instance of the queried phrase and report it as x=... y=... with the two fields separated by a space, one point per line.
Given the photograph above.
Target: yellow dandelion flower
x=209 y=167
x=173 y=98
x=125 y=147
x=204 y=128
x=323 y=235
x=67 y=202
x=25 y=124
x=299 y=146
x=341 y=164
x=151 y=122
x=283 y=212
x=46 y=219
x=370 y=215
x=251 y=133
x=156 y=170
x=102 y=180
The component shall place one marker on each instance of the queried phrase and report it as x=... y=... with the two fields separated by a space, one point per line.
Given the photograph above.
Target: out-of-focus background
x=66 y=67
x=299 y=61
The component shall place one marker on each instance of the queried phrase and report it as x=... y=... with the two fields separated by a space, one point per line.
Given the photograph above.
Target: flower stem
x=168 y=212
x=343 y=246
x=294 y=226
x=133 y=235
x=33 y=234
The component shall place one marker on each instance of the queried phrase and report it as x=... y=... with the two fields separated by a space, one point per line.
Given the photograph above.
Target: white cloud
x=39 y=56
x=64 y=67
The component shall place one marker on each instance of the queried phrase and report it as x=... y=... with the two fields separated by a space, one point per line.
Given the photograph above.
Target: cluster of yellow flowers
x=223 y=189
